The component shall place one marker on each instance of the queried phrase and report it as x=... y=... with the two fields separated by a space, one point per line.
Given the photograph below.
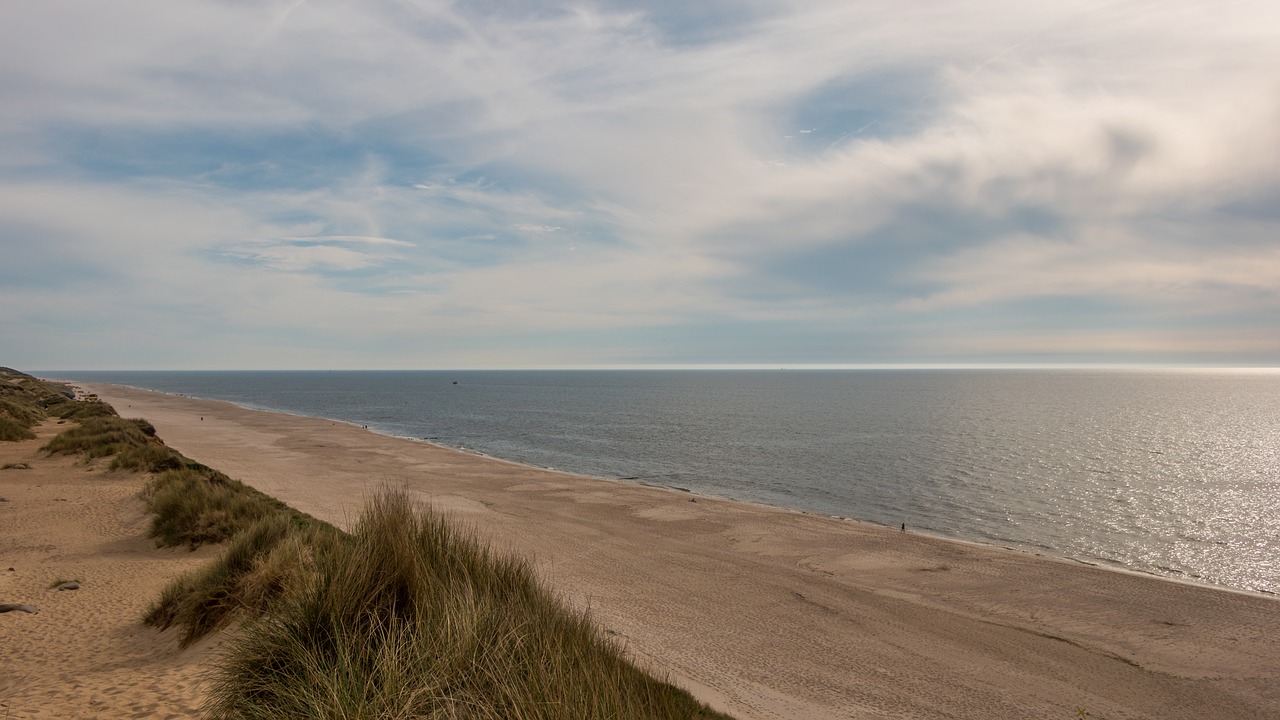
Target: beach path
x=86 y=653
x=768 y=613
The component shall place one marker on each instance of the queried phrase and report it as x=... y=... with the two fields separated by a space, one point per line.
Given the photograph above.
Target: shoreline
x=1039 y=552
x=776 y=613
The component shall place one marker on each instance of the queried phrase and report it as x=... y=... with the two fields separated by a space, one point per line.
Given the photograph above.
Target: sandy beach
x=762 y=612
x=86 y=653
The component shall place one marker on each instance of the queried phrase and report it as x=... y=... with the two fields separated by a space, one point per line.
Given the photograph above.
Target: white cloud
x=662 y=168
x=349 y=239
x=306 y=257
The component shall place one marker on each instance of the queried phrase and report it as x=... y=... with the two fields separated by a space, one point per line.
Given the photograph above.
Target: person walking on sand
x=904 y=527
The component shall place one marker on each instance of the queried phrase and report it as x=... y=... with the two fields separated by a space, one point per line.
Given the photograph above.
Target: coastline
x=769 y=612
x=1039 y=551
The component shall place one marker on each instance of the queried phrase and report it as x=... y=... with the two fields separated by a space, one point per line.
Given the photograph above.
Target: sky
x=320 y=184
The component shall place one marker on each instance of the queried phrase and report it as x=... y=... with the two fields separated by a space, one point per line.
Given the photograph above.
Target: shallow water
x=1173 y=472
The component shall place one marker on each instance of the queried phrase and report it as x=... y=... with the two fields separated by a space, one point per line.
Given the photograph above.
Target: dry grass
x=98 y=436
x=409 y=618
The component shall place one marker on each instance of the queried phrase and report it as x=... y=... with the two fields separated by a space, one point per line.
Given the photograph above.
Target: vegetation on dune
x=24 y=413
x=195 y=505
x=261 y=565
x=153 y=457
x=23 y=403
x=12 y=431
x=404 y=617
x=80 y=410
x=407 y=617
x=98 y=436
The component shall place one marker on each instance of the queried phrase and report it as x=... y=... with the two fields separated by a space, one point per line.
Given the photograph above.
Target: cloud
x=560 y=177
x=305 y=257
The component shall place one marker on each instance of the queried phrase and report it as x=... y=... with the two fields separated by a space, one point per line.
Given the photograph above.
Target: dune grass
x=25 y=413
x=98 y=436
x=22 y=404
x=407 y=617
x=153 y=457
x=195 y=505
x=269 y=559
x=404 y=617
x=13 y=430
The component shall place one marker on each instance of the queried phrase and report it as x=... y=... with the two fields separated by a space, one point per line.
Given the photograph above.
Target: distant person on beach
x=904 y=527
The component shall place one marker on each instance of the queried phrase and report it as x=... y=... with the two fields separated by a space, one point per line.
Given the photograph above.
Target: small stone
x=73 y=585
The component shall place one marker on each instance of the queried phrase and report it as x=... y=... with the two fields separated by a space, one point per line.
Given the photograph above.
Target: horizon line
x=728 y=366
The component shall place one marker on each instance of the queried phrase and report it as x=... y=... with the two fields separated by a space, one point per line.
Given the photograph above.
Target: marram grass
x=195 y=506
x=99 y=436
x=269 y=559
x=408 y=618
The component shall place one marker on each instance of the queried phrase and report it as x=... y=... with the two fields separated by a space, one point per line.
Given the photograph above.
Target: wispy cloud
x=867 y=181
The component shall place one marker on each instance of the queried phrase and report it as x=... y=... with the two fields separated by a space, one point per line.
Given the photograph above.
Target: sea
x=1174 y=473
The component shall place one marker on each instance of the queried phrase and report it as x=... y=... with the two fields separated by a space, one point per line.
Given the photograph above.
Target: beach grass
x=153 y=457
x=22 y=404
x=404 y=617
x=98 y=436
x=13 y=430
x=408 y=617
x=262 y=564
x=195 y=505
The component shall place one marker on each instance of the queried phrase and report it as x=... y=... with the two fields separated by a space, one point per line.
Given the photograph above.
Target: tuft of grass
x=195 y=505
x=25 y=413
x=407 y=617
x=152 y=457
x=13 y=430
x=79 y=410
x=266 y=561
x=98 y=436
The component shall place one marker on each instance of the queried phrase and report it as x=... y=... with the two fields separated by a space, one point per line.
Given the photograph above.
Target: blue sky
x=420 y=184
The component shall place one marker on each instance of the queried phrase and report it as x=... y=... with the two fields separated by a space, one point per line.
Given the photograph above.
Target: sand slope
x=86 y=654
x=773 y=614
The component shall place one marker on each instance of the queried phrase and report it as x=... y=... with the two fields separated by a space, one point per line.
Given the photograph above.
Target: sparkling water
x=1172 y=472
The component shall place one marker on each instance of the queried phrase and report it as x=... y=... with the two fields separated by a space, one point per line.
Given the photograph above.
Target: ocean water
x=1174 y=472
